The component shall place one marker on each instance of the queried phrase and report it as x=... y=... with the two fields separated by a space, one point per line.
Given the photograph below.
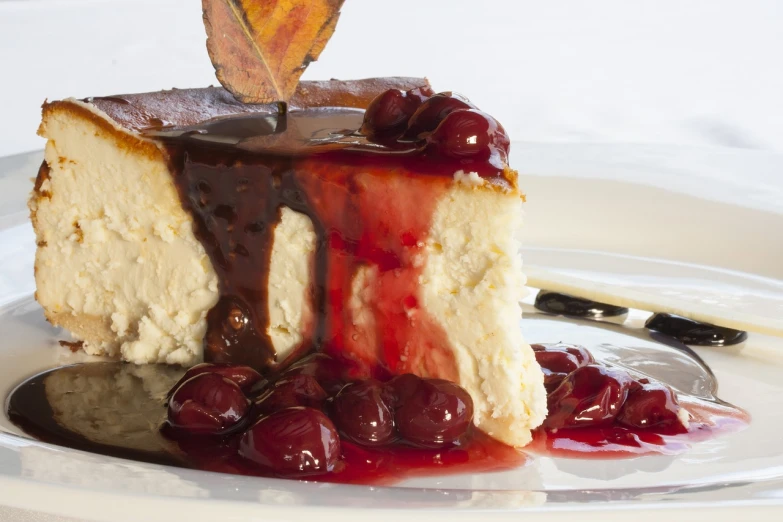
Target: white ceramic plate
x=741 y=471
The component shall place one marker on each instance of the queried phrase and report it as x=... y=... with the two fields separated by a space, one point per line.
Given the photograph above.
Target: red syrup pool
x=379 y=466
x=122 y=420
x=610 y=405
x=709 y=420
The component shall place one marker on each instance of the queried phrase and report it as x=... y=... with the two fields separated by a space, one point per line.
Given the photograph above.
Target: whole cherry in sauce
x=363 y=414
x=431 y=413
x=470 y=134
x=652 y=405
x=429 y=115
x=388 y=114
x=291 y=390
x=558 y=360
x=400 y=388
x=324 y=369
x=293 y=441
x=589 y=396
x=244 y=376
x=207 y=403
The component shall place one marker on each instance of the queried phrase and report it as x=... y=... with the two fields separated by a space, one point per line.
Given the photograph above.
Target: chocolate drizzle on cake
x=235 y=199
x=235 y=174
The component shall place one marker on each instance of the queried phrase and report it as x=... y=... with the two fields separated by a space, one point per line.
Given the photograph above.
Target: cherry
x=327 y=371
x=562 y=357
x=651 y=405
x=387 y=115
x=401 y=388
x=244 y=376
x=296 y=440
x=552 y=380
x=362 y=413
x=289 y=391
x=429 y=115
x=207 y=403
x=469 y=133
x=589 y=396
x=431 y=413
x=558 y=360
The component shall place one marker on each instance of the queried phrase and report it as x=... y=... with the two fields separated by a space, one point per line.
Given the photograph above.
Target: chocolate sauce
x=371 y=206
x=564 y=304
x=693 y=332
x=235 y=200
x=103 y=408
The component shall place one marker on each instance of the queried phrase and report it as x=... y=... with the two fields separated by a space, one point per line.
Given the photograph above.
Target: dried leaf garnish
x=260 y=48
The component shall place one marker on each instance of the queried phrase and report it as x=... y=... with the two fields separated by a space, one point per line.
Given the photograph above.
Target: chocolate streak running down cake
x=290 y=232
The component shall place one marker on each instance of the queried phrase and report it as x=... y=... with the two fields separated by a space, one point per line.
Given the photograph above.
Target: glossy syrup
x=119 y=409
x=709 y=419
x=642 y=355
x=113 y=409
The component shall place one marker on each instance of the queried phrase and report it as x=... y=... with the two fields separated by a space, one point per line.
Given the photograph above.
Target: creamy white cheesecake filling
x=118 y=263
x=472 y=284
x=290 y=268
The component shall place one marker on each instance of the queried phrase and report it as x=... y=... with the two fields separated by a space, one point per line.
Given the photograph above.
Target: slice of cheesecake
x=181 y=225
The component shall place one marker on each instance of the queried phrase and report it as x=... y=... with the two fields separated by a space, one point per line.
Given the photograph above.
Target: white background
x=689 y=72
